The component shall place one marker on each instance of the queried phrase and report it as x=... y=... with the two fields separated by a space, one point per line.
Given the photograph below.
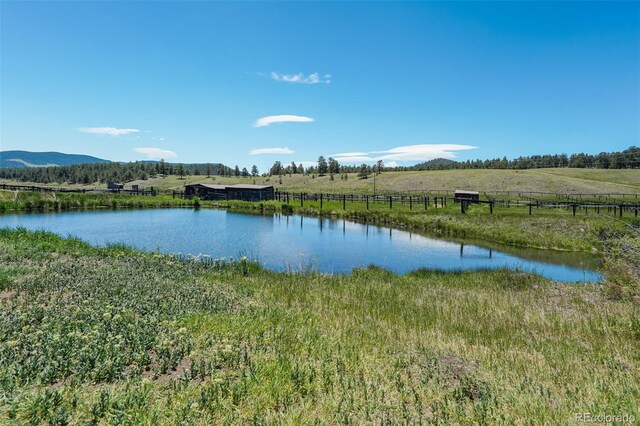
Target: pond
x=297 y=243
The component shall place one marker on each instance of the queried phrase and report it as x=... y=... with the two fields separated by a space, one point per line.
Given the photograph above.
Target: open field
x=117 y=336
x=563 y=181
x=544 y=180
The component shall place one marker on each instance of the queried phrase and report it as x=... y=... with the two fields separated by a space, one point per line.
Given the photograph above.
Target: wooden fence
x=141 y=191
x=406 y=199
x=424 y=202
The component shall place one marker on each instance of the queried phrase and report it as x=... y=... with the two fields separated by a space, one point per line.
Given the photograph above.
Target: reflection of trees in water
x=579 y=260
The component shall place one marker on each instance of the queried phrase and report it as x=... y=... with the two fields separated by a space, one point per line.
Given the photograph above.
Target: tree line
x=627 y=159
x=112 y=172
x=127 y=172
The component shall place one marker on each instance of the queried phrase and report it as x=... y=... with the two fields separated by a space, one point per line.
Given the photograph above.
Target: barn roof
x=208 y=185
x=249 y=186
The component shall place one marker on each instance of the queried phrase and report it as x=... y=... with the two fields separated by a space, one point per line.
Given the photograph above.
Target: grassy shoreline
x=546 y=229
x=173 y=342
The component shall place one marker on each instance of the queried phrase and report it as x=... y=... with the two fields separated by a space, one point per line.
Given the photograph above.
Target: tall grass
x=91 y=335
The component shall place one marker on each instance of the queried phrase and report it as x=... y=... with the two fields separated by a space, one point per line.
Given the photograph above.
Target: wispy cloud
x=271 y=119
x=156 y=153
x=314 y=78
x=422 y=152
x=109 y=131
x=259 y=151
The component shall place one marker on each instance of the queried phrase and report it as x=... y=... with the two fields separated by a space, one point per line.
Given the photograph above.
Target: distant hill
x=23 y=159
x=434 y=163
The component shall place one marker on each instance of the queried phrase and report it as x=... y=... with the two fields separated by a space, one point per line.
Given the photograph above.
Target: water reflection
x=285 y=242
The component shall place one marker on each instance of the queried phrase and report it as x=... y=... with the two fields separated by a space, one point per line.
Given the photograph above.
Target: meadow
x=557 y=180
x=115 y=336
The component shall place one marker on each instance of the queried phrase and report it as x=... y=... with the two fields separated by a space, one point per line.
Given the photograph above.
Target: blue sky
x=254 y=82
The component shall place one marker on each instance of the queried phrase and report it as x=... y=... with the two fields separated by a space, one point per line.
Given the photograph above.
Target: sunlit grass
x=118 y=336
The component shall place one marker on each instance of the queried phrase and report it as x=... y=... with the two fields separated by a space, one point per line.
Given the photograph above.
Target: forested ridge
x=627 y=159
x=126 y=172
x=110 y=172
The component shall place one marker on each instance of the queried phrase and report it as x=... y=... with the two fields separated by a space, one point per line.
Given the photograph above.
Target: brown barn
x=206 y=191
x=248 y=192
x=243 y=192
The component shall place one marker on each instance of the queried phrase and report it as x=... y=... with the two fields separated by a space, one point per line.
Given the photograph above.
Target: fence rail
x=427 y=201
x=142 y=191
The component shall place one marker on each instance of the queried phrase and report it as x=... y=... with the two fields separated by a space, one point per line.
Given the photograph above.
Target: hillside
x=21 y=159
x=563 y=181
x=443 y=162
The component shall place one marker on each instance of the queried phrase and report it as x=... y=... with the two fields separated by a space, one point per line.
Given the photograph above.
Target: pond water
x=297 y=243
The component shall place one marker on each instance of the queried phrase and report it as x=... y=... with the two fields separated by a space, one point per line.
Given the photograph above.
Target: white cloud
x=391 y=164
x=110 y=131
x=422 y=152
x=354 y=158
x=307 y=163
x=259 y=151
x=156 y=153
x=350 y=154
x=271 y=119
x=314 y=78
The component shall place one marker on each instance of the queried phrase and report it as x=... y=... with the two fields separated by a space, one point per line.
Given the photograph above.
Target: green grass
x=103 y=336
x=52 y=201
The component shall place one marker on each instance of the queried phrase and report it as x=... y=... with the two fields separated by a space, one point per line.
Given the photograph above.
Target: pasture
x=561 y=180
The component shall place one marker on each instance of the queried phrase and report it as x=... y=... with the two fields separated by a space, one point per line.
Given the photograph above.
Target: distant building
x=470 y=196
x=206 y=191
x=243 y=192
x=251 y=192
x=114 y=186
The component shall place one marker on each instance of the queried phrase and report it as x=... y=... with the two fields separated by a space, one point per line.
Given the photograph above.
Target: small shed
x=247 y=192
x=206 y=191
x=114 y=186
x=469 y=196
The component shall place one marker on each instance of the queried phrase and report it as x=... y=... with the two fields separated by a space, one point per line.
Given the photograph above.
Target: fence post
x=410 y=203
x=344 y=202
x=367 y=202
x=390 y=201
x=620 y=210
x=491 y=207
x=532 y=204
x=426 y=202
x=301 y=199
x=321 y=201
x=574 y=209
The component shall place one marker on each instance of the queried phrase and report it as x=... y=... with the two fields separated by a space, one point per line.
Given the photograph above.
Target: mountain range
x=22 y=159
